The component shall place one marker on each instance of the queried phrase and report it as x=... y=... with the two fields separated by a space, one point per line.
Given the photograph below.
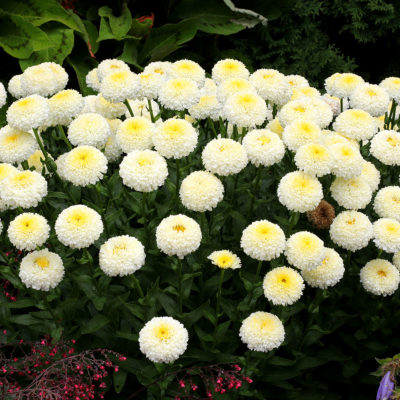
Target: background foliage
x=332 y=336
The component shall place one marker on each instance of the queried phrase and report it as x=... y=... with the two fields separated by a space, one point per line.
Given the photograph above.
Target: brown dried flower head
x=322 y=216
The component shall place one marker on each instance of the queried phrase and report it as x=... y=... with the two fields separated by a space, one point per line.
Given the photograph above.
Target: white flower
x=110 y=66
x=64 y=106
x=351 y=230
x=353 y=194
x=60 y=75
x=297 y=81
x=387 y=234
x=347 y=160
x=140 y=108
x=39 y=80
x=207 y=107
x=108 y=109
x=343 y=85
x=92 y=80
x=304 y=250
x=283 y=286
x=371 y=98
x=371 y=174
x=263 y=147
x=188 y=69
x=175 y=138
x=232 y=86
x=89 y=129
x=84 y=165
x=149 y=85
x=263 y=240
x=271 y=85
x=135 y=133
x=178 y=235
x=245 y=109
x=78 y=226
x=119 y=86
x=163 y=339
x=41 y=270
x=387 y=202
x=28 y=113
x=15 y=88
x=385 y=146
x=225 y=259
x=262 y=331
x=301 y=92
x=28 y=230
x=224 y=157
x=16 y=145
x=355 y=124
x=121 y=255
x=300 y=132
x=229 y=68
x=392 y=87
x=328 y=273
x=179 y=94
x=143 y=170
x=314 y=159
x=300 y=192
x=23 y=189
x=201 y=191
x=380 y=277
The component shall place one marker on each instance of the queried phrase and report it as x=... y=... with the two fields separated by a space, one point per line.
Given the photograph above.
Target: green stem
x=137 y=284
x=341 y=104
x=222 y=128
x=128 y=106
x=61 y=130
x=258 y=177
x=379 y=253
x=178 y=177
x=150 y=110
x=258 y=270
x=219 y=292
x=211 y=125
x=49 y=309
x=49 y=163
x=180 y=284
x=392 y=115
x=25 y=165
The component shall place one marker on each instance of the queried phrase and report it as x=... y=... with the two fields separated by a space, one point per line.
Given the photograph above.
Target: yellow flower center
x=392 y=228
x=396 y=199
x=42 y=262
x=22 y=178
x=230 y=66
x=78 y=218
x=349 y=79
x=246 y=100
x=144 y=160
x=119 y=76
x=392 y=141
x=381 y=272
x=300 y=109
x=135 y=126
x=159 y=71
x=174 y=129
x=27 y=224
x=179 y=228
x=346 y=151
x=163 y=332
x=358 y=114
x=224 y=261
x=24 y=103
x=351 y=221
x=145 y=76
x=119 y=249
x=264 y=140
x=62 y=95
x=371 y=92
x=11 y=138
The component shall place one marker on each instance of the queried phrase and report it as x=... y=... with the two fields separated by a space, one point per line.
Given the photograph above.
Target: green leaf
x=96 y=323
x=19 y=38
x=112 y=27
x=119 y=379
x=40 y=12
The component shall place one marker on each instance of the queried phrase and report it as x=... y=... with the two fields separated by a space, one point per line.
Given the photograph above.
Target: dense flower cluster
x=199 y=143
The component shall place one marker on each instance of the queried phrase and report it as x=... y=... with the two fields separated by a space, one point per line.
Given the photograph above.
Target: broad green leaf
x=40 y=12
x=19 y=38
x=96 y=323
x=119 y=379
x=112 y=27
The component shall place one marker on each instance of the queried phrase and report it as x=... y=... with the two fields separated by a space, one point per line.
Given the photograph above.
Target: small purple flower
x=385 y=388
